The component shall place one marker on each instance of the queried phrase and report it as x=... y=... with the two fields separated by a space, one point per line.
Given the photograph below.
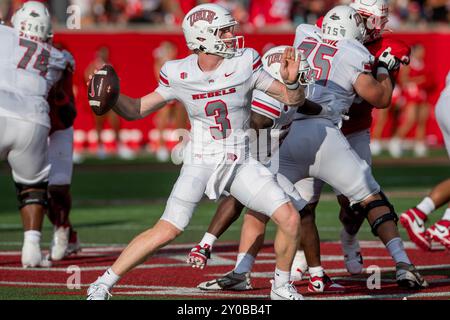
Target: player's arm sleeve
x=164 y=86
x=264 y=106
x=57 y=60
x=357 y=64
x=69 y=60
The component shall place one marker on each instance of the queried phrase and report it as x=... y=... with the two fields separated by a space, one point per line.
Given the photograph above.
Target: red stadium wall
x=131 y=54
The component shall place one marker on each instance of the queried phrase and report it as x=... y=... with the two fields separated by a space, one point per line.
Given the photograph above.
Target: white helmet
x=271 y=61
x=375 y=14
x=33 y=19
x=201 y=28
x=343 y=22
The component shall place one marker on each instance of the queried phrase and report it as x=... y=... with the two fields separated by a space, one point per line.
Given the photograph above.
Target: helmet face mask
x=375 y=14
x=33 y=20
x=343 y=22
x=205 y=27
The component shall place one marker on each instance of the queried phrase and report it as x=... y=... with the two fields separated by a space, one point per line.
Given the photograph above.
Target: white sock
x=300 y=261
x=426 y=206
x=315 y=271
x=32 y=236
x=281 y=277
x=244 y=263
x=109 y=278
x=208 y=239
x=446 y=215
x=397 y=250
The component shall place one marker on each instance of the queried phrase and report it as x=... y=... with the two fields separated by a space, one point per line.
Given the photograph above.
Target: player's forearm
x=385 y=92
x=295 y=97
x=128 y=108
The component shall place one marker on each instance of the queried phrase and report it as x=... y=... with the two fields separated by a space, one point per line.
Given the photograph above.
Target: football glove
x=388 y=61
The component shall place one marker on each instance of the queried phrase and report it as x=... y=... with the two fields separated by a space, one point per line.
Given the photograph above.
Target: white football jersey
x=336 y=67
x=28 y=70
x=281 y=115
x=217 y=102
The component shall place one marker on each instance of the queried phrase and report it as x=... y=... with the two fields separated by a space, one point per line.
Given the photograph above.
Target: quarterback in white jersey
x=29 y=67
x=215 y=85
x=343 y=69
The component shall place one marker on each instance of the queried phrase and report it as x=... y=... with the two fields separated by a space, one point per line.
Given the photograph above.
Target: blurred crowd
x=250 y=13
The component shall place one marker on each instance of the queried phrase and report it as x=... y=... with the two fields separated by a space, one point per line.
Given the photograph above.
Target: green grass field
x=114 y=200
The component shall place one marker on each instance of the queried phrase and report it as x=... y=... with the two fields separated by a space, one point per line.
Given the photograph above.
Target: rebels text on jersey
x=336 y=66
x=28 y=70
x=217 y=102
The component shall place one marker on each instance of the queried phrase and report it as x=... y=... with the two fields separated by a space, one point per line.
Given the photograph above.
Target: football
x=103 y=90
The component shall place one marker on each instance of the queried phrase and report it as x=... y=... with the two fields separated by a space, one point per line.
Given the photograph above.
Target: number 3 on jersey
x=321 y=61
x=41 y=63
x=218 y=110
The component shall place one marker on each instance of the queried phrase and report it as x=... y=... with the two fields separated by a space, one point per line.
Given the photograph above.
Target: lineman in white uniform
x=28 y=69
x=215 y=84
x=343 y=67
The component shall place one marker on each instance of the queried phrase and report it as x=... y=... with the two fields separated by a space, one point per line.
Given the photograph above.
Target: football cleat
x=413 y=220
x=408 y=277
x=324 y=285
x=440 y=232
x=59 y=243
x=98 y=292
x=230 y=281
x=199 y=256
x=354 y=263
x=285 y=292
x=299 y=266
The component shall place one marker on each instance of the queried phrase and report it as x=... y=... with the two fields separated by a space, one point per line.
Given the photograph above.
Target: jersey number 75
x=321 y=62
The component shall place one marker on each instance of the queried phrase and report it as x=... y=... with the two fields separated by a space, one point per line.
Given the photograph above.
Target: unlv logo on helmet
x=206 y=15
x=273 y=58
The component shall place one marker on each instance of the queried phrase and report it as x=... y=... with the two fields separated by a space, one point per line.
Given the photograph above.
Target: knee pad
x=32 y=194
x=384 y=202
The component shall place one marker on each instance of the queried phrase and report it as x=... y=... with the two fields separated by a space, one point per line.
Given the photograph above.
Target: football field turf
x=113 y=201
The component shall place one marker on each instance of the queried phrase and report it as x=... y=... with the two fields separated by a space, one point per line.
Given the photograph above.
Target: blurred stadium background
x=124 y=174
x=137 y=36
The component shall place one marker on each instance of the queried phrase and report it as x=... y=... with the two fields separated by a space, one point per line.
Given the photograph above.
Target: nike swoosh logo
x=228 y=74
x=92 y=93
x=420 y=225
x=441 y=229
x=317 y=286
x=210 y=283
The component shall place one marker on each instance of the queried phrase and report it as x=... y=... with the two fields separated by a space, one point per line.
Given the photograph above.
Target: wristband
x=293 y=86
